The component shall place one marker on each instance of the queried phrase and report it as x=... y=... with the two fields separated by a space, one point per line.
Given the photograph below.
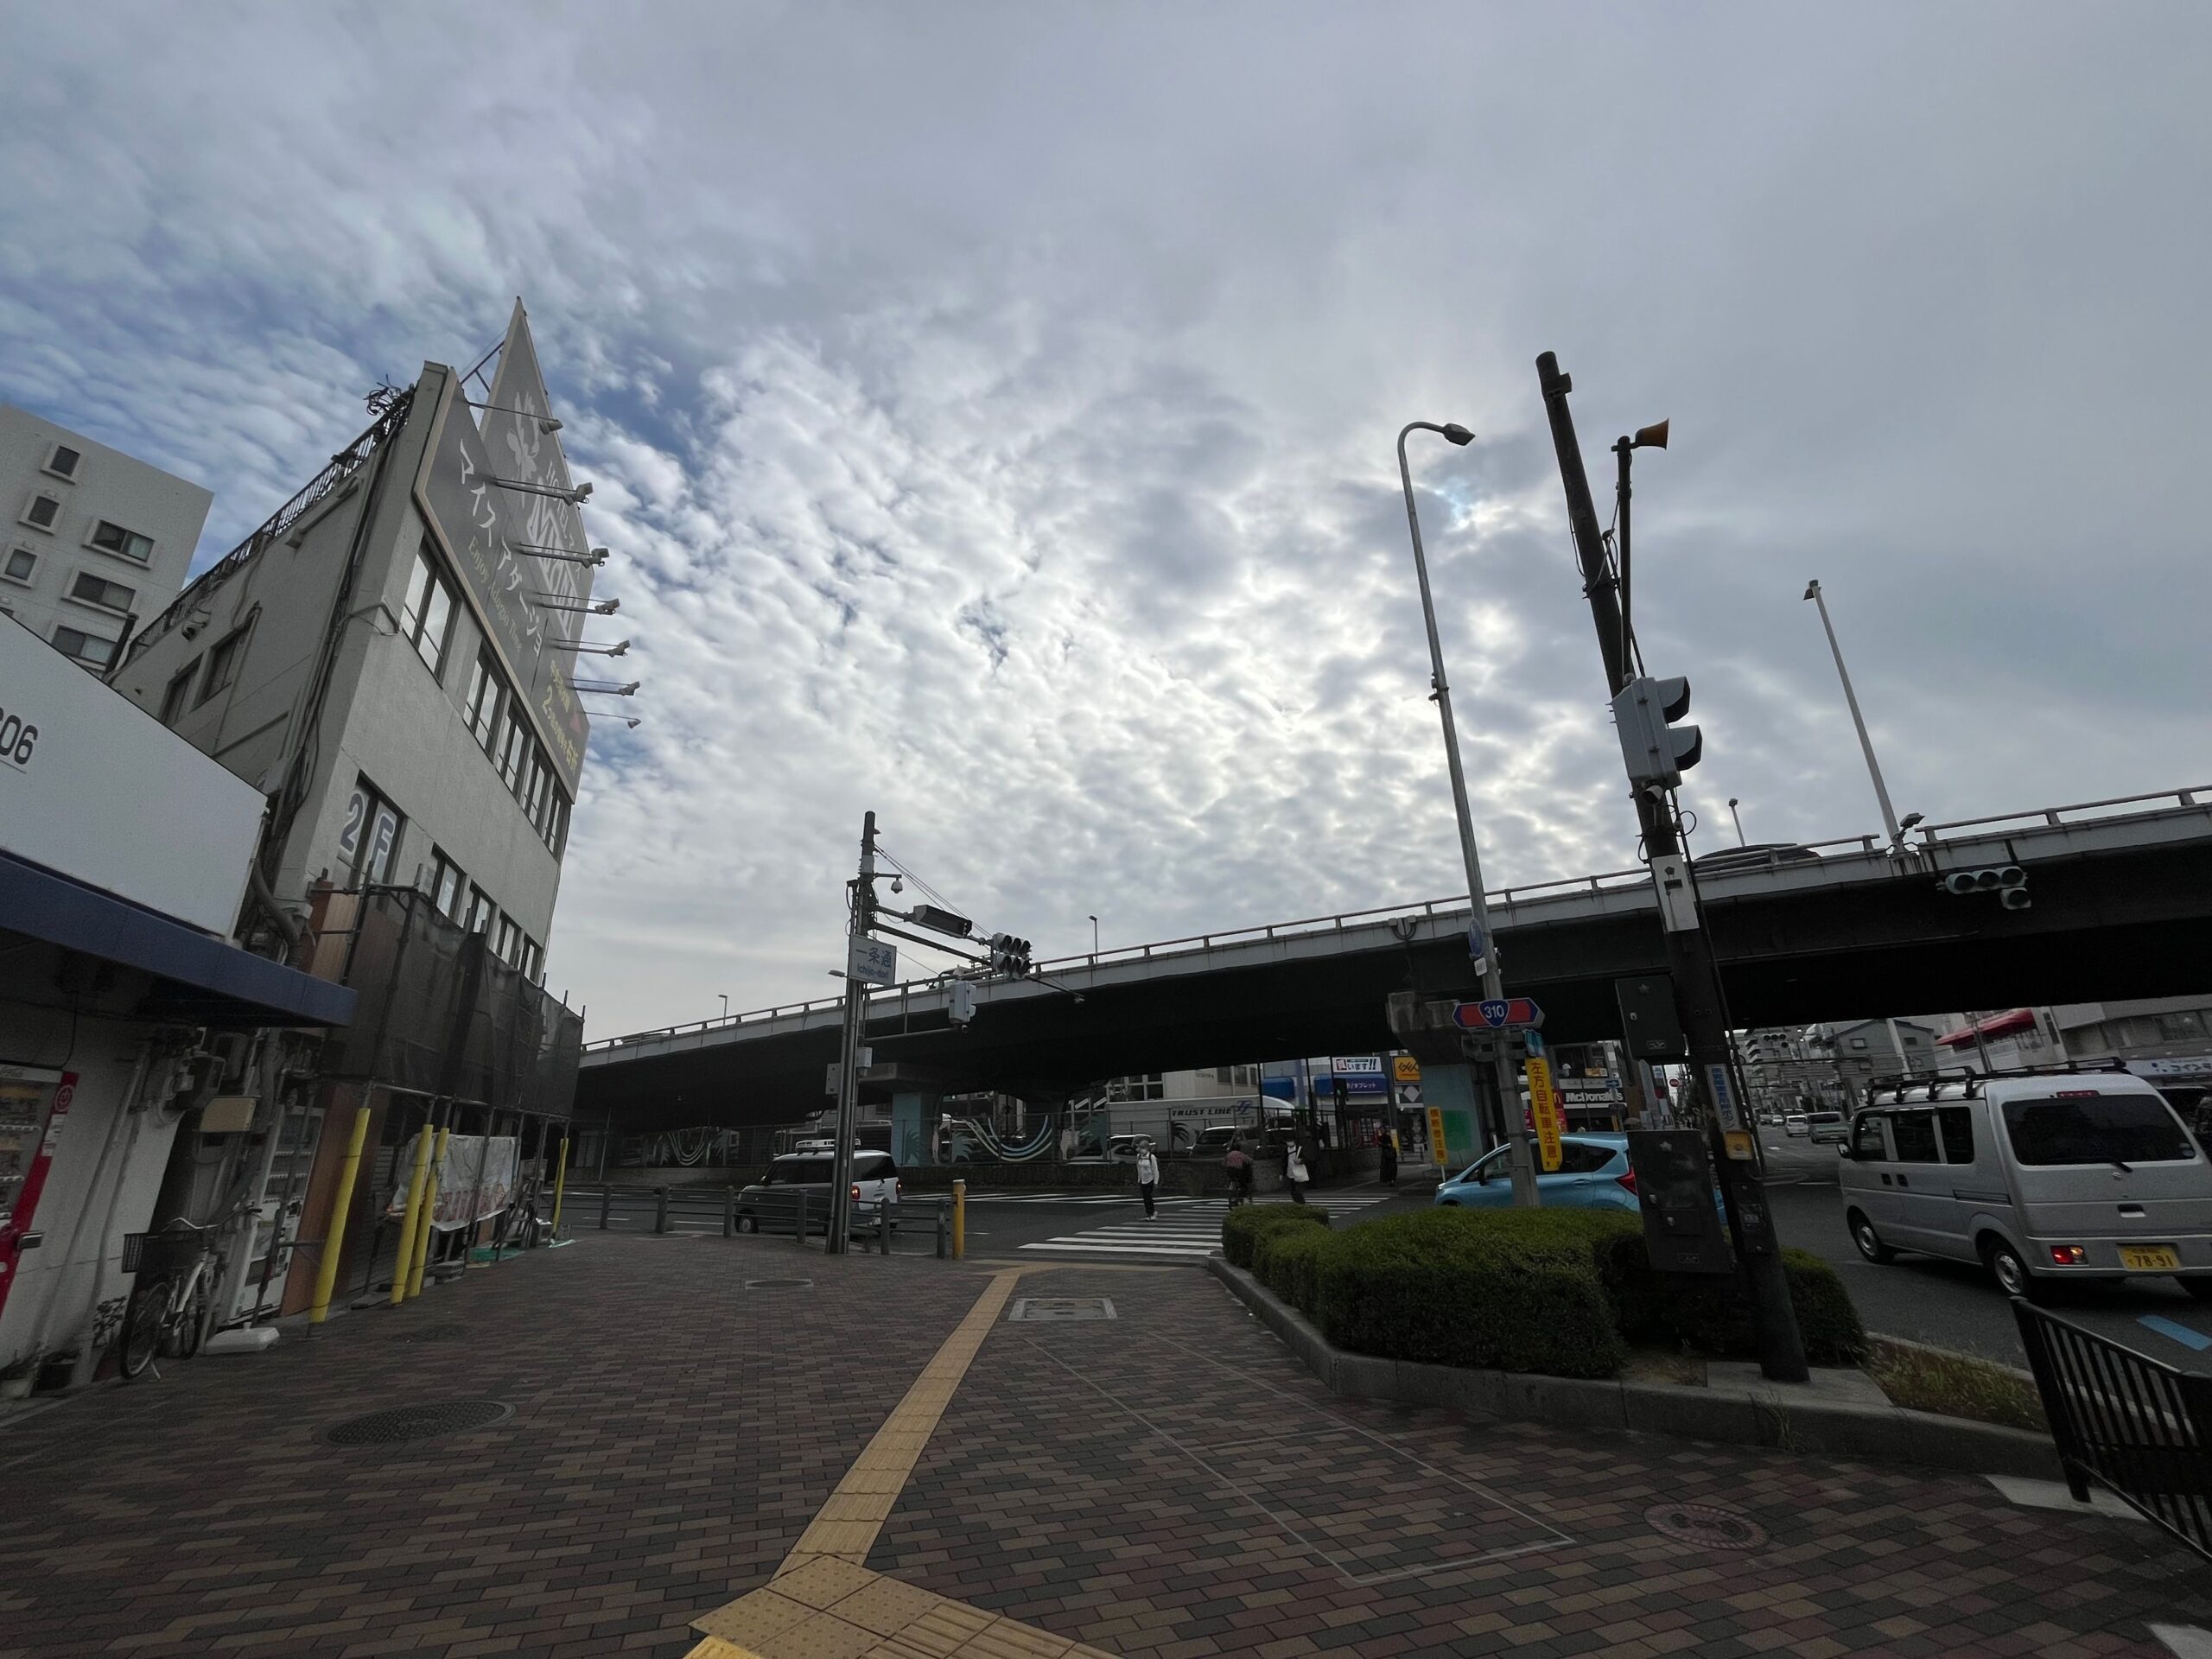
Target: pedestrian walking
x=1240 y=1174
x=1390 y=1152
x=1294 y=1171
x=1147 y=1178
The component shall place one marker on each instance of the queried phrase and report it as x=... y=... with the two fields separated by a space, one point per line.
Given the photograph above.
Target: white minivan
x=2038 y=1176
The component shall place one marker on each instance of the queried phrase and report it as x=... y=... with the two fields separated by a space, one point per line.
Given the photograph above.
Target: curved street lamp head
x=1812 y=590
x=1456 y=433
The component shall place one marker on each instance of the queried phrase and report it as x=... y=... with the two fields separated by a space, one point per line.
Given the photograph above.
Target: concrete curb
x=1733 y=1416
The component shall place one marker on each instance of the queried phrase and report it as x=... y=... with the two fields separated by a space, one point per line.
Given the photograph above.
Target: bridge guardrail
x=1930 y=836
x=2133 y=1423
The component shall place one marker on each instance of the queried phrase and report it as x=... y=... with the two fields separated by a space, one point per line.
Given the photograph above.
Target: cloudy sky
x=991 y=409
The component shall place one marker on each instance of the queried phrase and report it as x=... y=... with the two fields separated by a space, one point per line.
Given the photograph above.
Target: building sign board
x=482 y=525
x=85 y=770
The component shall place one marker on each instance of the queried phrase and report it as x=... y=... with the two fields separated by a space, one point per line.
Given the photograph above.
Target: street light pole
x=1504 y=1117
x=1866 y=743
x=1739 y=817
x=1094 y=936
x=848 y=1048
x=724 y=996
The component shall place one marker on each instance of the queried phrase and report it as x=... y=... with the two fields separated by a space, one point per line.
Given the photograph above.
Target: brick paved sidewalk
x=1170 y=1484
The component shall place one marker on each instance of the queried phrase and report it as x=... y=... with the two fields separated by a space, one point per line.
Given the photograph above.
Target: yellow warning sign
x=1543 y=1110
x=1436 y=1136
x=1739 y=1145
x=1405 y=1068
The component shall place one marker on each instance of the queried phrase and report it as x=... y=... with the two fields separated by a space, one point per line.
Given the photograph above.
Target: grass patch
x=1669 y=1365
x=1954 y=1385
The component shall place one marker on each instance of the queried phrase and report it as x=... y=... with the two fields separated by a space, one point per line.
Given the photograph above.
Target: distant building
x=1869 y=1050
x=94 y=538
x=2167 y=1040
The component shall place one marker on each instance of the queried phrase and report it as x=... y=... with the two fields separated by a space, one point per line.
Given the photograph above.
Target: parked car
x=1126 y=1148
x=1592 y=1174
x=771 y=1204
x=1827 y=1128
x=1794 y=1123
x=1215 y=1138
x=2040 y=1177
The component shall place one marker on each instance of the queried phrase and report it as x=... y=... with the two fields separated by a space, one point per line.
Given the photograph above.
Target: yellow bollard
x=409 y=1217
x=333 y=1233
x=429 y=1209
x=959 y=1220
x=560 y=1187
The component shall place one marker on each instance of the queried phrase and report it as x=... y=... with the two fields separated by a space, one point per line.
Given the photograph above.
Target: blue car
x=1592 y=1174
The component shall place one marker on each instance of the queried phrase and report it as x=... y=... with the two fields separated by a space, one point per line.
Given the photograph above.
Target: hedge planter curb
x=1733 y=1416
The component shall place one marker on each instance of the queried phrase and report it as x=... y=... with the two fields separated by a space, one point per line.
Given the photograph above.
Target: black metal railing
x=2134 y=1424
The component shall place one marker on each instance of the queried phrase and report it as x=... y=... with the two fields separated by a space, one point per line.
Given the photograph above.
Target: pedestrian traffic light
x=1657 y=751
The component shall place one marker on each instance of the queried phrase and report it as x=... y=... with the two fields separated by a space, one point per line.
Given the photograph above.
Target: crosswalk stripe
x=1190 y=1231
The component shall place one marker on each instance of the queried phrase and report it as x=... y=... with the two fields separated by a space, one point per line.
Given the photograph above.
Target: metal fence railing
x=908 y=1225
x=2133 y=1423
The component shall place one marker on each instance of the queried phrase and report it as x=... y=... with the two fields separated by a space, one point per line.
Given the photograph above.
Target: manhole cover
x=777 y=1284
x=1062 y=1307
x=1708 y=1526
x=417 y=1422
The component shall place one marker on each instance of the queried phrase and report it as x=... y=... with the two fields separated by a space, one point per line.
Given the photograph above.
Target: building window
x=484 y=693
x=506 y=941
x=514 y=748
x=1145 y=1085
x=426 y=618
x=369 y=839
x=223 y=663
x=1858 y=1042
x=110 y=537
x=539 y=791
x=557 y=824
x=533 y=958
x=446 y=885
x=89 y=589
x=41 y=511
x=62 y=461
x=22 y=564
x=480 y=910
x=89 y=649
x=2180 y=1027
x=179 y=687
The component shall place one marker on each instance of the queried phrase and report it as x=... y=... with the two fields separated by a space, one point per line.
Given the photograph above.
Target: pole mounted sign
x=873 y=961
x=1543 y=1111
x=1497 y=1013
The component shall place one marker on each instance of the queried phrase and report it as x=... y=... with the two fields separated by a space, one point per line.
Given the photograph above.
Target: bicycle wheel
x=142 y=1317
x=192 y=1326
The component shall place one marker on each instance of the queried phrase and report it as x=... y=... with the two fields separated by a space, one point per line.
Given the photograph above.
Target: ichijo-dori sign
x=484 y=525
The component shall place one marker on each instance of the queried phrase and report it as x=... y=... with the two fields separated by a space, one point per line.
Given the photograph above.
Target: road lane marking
x=2180 y=1333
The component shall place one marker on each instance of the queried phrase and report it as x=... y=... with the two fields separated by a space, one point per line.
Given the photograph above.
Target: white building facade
x=96 y=540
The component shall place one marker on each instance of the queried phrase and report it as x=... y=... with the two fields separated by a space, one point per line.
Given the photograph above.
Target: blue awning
x=199 y=979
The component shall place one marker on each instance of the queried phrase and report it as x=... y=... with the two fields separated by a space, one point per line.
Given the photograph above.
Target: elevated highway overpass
x=2121 y=893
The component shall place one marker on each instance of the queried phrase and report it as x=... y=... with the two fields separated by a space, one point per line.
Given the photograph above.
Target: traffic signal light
x=1009 y=955
x=2009 y=882
x=1657 y=751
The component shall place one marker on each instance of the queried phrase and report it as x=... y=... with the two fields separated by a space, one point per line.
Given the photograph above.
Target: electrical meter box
x=1683 y=1232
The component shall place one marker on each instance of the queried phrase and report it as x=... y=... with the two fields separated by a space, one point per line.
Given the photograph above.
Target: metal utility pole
x=1866 y=743
x=848 y=1051
x=1734 y=801
x=1506 y=1121
x=1689 y=951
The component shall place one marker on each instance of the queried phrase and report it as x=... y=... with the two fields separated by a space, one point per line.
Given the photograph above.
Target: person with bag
x=1147 y=1178
x=1293 y=1172
x=1240 y=1174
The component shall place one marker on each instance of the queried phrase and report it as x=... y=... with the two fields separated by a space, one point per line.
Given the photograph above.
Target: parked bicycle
x=173 y=1299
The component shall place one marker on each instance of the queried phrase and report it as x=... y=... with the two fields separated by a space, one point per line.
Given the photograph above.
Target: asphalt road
x=1953 y=1304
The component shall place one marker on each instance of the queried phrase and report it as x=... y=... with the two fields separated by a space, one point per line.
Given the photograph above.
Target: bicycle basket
x=170 y=1251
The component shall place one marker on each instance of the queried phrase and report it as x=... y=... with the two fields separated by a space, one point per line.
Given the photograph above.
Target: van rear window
x=797 y=1172
x=2096 y=1129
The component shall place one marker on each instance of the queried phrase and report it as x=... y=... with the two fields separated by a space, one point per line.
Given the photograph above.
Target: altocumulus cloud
x=991 y=408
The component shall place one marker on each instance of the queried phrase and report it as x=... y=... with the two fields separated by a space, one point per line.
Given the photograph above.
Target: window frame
x=177 y=694
x=129 y=535
x=478 y=917
x=484 y=701
x=1946 y=1117
x=52 y=526
x=533 y=959
x=15 y=551
x=1913 y=1118
x=1877 y=1123
x=427 y=583
x=506 y=941
x=443 y=869
x=223 y=663
x=70 y=593
x=78 y=657
x=58 y=449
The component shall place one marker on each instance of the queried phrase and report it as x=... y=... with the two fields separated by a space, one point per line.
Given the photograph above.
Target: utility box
x=1650 y=1023
x=1683 y=1232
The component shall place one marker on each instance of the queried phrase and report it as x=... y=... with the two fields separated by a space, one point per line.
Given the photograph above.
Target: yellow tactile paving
x=824 y=1604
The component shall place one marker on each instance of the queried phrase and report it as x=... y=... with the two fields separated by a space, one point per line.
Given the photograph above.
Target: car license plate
x=2150 y=1258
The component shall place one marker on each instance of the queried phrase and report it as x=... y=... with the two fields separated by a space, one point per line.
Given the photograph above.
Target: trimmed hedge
x=1246 y=1224
x=1513 y=1291
x=1560 y=1292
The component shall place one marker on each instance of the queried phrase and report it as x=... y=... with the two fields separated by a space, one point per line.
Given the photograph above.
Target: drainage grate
x=417 y=1422
x=1042 y=1308
x=1707 y=1526
x=777 y=1284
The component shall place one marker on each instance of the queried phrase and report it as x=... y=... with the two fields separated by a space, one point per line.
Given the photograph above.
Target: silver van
x=2038 y=1176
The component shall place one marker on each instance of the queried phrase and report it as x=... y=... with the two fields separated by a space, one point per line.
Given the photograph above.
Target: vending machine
x=34 y=1105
